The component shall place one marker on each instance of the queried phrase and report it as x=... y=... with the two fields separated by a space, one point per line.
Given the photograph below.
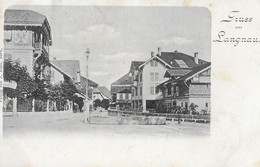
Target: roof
x=26 y=18
x=124 y=80
x=103 y=90
x=23 y=17
x=171 y=57
x=176 y=72
x=194 y=71
x=136 y=64
x=119 y=88
x=125 y=91
x=90 y=82
x=70 y=67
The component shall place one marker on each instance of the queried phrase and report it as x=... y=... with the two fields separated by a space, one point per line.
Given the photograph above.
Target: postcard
x=130 y=83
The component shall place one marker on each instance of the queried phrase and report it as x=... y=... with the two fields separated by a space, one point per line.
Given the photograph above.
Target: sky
x=116 y=36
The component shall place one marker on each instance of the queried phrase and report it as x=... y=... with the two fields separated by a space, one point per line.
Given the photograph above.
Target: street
x=63 y=122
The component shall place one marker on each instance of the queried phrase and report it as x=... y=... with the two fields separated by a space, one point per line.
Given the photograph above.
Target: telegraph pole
x=86 y=113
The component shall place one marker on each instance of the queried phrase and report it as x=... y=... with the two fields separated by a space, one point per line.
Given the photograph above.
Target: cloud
x=98 y=73
x=175 y=41
x=106 y=68
x=93 y=33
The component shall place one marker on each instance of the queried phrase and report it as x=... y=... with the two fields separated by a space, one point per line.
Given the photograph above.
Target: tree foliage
x=105 y=103
x=13 y=71
x=161 y=107
x=97 y=103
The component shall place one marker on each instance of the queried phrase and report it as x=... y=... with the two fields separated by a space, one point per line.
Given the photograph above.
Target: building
x=150 y=74
x=101 y=93
x=121 y=88
x=27 y=37
x=187 y=86
x=64 y=70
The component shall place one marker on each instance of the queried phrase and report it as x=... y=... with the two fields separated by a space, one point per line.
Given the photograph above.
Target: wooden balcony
x=40 y=48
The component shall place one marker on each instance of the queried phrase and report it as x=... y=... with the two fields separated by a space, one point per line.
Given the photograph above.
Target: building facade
x=121 y=89
x=150 y=74
x=187 y=88
x=27 y=37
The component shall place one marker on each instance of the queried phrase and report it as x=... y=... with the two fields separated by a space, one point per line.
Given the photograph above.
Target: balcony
x=41 y=49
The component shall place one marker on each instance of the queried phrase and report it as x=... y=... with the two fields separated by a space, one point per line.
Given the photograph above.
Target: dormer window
x=182 y=64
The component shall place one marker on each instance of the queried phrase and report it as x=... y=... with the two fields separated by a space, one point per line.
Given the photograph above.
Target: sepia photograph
x=124 y=70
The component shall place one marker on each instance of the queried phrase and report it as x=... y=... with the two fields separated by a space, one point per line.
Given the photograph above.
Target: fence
x=169 y=117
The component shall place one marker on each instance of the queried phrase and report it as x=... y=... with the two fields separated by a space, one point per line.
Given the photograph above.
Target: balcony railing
x=39 y=47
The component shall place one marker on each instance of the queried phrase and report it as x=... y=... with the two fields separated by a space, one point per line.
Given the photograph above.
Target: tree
x=13 y=71
x=161 y=107
x=97 y=103
x=105 y=103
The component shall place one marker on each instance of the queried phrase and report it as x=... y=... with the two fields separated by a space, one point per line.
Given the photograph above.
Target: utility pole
x=86 y=113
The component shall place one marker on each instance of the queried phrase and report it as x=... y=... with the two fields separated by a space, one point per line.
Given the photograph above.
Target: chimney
x=196 y=57
x=152 y=54
x=78 y=77
x=159 y=51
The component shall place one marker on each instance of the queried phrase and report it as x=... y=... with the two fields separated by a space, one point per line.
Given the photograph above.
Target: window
x=156 y=76
x=155 y=63
x=8 y=36
x=181 y=63
x=126 y=96
x=169 y=89
x=177 y=90
x=133 y=92
x=181 y=104
x=152 y=76
x=152 y=90
x=207 y=104
x=121 y=96
x=7 y=56
x=141 y=77
x=141 y=90
x=157 y=90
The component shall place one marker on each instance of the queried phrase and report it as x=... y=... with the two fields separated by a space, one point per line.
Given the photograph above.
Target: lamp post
x=86 y=113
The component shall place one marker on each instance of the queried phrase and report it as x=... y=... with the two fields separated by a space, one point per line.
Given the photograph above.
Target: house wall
x=147 y=83
x=18 y=45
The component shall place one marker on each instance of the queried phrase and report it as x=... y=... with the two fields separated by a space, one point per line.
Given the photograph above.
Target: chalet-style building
x=186 y=86
x=27 y=37
x=150 y=74
x=65 y=70
x=121 y=88
x=101 y=93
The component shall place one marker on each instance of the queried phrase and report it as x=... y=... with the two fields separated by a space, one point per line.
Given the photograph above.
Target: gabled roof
x=70 y=67
x=103 y=91
x=119 y=88
x=176 y=72
x=171 y=57
x=13 y=16
x=90 y=82
x=26 y=18
x=135 y=64
x=194 y=71
x=124 y=80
